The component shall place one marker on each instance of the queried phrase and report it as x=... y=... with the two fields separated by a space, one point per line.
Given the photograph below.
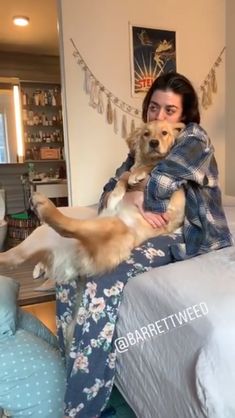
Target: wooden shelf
x=43 y=161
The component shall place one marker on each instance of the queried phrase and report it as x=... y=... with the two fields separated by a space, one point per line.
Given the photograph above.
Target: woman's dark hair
x=178 y=84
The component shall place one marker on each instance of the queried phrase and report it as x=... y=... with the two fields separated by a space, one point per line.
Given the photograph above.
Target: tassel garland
x=97 y=91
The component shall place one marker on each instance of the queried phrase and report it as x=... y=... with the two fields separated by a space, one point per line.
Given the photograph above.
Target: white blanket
x=188 y=371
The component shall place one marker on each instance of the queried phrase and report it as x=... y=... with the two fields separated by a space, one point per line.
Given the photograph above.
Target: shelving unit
x=42 y=122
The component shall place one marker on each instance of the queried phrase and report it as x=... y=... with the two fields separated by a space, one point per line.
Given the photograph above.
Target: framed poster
x=153 y=52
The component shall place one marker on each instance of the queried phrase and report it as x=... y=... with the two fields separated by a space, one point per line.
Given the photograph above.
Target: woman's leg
x=91 y=361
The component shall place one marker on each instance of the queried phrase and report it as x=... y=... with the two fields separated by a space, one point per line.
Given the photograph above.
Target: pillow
x=30 y=323
x=32 y=377
x=9 y=289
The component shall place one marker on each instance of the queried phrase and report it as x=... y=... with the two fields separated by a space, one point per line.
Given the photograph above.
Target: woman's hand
x=156 y=220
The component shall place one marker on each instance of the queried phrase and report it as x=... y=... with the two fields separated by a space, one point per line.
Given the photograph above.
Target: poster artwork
x=153 y=53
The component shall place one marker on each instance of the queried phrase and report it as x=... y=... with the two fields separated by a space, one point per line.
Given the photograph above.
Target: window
x=8 y=139
x=3 y=140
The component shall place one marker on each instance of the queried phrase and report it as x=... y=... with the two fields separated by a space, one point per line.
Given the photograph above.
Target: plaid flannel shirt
x=190 y=164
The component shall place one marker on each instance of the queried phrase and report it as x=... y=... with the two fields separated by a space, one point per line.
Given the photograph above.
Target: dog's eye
x=164 y=133
x=146 y=133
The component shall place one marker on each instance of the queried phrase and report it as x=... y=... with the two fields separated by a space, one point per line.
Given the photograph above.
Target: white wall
x=230 y=97
x=100 y=31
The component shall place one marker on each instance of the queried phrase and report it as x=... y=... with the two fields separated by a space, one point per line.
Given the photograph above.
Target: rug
x=117 y=407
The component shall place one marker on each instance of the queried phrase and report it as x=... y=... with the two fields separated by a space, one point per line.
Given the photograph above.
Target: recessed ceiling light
x=21 y=20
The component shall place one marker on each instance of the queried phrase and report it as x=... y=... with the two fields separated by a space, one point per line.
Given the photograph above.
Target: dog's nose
x=154 y=143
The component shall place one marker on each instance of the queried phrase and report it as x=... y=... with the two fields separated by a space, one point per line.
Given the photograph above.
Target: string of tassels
x=97 y=92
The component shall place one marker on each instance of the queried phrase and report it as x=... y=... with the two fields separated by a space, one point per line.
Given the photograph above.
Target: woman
x=191 y=164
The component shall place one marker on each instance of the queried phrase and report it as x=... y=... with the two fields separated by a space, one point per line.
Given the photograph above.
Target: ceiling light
x=21 y=20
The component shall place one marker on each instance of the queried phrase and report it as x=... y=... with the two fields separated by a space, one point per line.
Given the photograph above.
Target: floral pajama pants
x=90 y=363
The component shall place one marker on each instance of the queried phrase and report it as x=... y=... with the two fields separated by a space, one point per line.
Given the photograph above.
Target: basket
x=20 y=226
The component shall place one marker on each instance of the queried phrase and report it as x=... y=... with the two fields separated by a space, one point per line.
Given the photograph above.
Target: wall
x=100 y=31
x=30 y=67
x=230 y=96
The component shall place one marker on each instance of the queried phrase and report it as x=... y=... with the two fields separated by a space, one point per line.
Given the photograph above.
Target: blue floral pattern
x=90 y=363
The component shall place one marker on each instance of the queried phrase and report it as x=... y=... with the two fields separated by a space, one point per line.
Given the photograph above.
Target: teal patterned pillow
x=32 y=377
x=9 y=289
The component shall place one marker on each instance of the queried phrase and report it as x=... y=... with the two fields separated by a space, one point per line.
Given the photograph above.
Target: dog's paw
x=136 y=178
x=40 y=271
x=114 y=198
x=41 y=205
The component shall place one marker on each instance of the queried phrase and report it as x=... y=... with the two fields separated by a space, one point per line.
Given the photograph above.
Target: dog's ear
x=133 y=139
x=178 y=128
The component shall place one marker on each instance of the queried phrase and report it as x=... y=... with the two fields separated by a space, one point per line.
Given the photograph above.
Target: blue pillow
x=9 y=289
x=32 y=377
x=30 y=323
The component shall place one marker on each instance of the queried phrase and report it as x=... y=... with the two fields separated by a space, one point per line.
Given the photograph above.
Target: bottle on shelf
x=53 y=98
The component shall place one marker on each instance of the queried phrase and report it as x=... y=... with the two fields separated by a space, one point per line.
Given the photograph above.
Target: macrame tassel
x=109 y=112
x=124 y=126
x=100 y=103
x=214 y=86
x=209 y=93
x=115 y=121
x=204 y=98
x=92 y=94
x=87 y=81
x=132 y=126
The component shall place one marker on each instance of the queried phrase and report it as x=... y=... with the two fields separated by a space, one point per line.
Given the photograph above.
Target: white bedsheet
x=188 y=371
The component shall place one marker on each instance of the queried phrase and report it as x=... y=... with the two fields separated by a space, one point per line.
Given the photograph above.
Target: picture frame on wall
x=153 y=52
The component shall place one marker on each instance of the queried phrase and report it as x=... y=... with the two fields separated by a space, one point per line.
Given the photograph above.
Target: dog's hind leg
x=102 y=237
x=34 y=247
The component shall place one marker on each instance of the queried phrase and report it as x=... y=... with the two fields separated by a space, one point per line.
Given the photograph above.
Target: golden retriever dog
x=71 y=247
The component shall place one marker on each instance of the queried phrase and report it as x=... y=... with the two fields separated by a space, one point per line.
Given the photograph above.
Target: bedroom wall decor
x=97 y=91
x=152 y=52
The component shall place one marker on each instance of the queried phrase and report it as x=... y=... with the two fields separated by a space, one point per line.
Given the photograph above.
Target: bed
x=186 y=370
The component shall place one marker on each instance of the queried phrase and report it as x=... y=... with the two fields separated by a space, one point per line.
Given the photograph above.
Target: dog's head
x=154 y=140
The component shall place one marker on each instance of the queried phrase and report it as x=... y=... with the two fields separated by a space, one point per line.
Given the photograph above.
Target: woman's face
x=165 y=105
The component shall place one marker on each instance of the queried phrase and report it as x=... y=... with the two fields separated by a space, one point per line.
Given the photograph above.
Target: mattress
x=176 y=338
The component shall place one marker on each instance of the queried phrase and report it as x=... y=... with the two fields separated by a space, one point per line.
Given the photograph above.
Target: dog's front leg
x=138 y=174
x=119 y=191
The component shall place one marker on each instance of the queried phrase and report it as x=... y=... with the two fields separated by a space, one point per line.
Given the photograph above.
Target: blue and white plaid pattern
x=191 y=164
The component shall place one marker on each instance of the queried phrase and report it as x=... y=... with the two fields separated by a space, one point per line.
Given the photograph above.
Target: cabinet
x=42 y=121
